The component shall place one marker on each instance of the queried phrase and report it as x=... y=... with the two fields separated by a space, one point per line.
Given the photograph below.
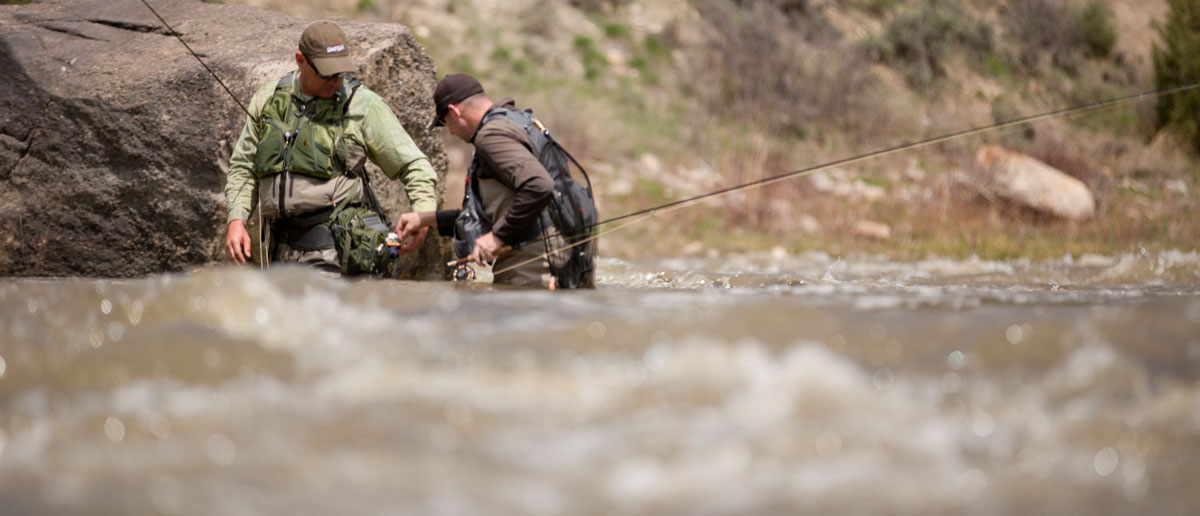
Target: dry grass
x=1146 y=198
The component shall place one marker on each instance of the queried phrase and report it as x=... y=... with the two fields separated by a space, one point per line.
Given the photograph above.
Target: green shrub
x=501 y=54
x=919 y=40
x=617 y=30
x=1177 y=64
x=1097 y=28
x=1060 y=29
x=1042 y=28
x=877 y=48
x=593 y=61
x=996 y=67
x=877 y=7
x=656 y=47
x=764 y=69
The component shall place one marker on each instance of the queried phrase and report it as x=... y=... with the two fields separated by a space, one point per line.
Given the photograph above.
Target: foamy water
x=755 y=384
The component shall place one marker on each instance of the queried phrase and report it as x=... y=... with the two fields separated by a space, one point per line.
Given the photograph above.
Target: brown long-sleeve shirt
x=504 y=153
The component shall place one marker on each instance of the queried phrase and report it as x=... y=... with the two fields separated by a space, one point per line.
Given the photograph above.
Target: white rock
x=872 y=229
x=1028 y=182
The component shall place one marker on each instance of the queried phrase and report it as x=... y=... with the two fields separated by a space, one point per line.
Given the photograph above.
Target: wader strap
x=353 y=90
x=360 y=171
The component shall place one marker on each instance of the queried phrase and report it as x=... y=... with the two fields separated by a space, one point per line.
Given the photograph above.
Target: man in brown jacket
x=512 y=186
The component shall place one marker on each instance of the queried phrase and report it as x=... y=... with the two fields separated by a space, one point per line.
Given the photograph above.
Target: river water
x=756 y=384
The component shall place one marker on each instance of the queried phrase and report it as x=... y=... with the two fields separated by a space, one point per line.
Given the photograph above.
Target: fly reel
x=464 y=272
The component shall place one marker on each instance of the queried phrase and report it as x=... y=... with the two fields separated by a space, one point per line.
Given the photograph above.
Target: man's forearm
x=241 y=187
x=420 y=184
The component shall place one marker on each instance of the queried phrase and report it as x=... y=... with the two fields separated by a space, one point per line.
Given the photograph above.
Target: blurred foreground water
x=756 y=384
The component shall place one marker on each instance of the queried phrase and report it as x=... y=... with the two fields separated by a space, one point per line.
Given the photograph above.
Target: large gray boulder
x=114 y=141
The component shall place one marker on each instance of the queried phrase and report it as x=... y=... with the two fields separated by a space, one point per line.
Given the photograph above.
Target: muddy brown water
x=753 y=384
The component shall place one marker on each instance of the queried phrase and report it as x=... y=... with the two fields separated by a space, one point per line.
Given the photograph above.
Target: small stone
x=872 y=229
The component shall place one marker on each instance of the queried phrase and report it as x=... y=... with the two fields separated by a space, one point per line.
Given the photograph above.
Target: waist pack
x=361 y=229
x=361 y=235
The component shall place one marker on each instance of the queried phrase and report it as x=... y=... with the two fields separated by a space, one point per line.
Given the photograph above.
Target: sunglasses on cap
x=314 y=69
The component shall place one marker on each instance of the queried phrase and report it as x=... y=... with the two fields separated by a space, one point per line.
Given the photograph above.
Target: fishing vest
x=303 y=137
x=568 y=219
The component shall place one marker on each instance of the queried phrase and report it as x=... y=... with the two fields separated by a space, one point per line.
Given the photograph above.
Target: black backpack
x=566 y=225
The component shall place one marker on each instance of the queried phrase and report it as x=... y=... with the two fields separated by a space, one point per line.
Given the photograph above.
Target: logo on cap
x=336 y=48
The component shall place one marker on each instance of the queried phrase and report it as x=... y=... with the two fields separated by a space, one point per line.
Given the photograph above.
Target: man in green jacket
x=295 y=154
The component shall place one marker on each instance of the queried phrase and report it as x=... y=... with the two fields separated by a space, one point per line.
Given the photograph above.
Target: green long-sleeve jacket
x=369 y=123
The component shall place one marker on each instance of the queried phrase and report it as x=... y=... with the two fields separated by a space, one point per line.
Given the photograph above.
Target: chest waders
x=308 y=137
x=569 y=217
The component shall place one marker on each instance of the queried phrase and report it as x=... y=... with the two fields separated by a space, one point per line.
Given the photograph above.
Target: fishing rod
x=173 y=32
x=263 y=263
x=644 y=214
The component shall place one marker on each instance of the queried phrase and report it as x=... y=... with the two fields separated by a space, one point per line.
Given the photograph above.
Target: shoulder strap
x=352 y=85
x=285 y=82
x=359 y=170
x=277 y=105
x=523 y=119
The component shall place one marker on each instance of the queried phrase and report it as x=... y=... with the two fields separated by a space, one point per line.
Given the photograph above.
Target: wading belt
x=306 y=232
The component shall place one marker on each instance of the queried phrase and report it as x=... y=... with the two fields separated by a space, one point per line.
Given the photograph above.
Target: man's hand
x=412 y=221
x=414 y=225
x=418 y=238
x=237 y=242
x=485 y=248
